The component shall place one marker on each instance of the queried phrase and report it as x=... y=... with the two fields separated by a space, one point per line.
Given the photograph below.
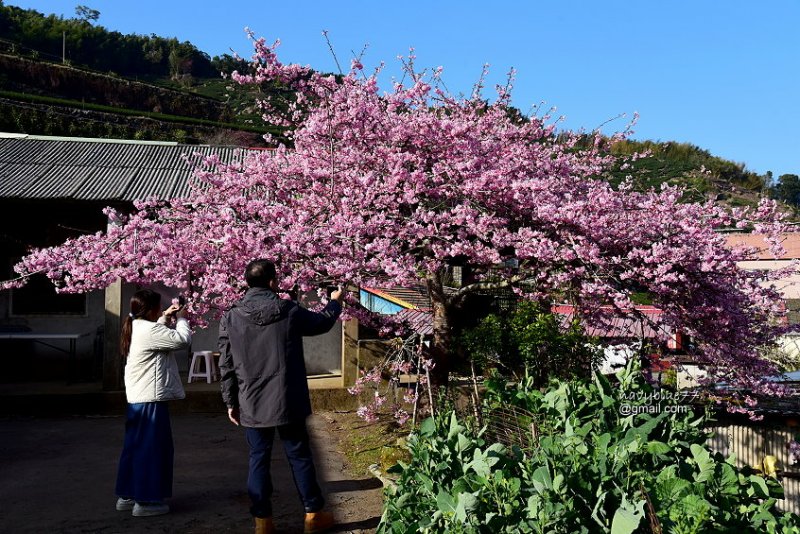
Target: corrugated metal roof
x=16 y=178
x=61 y=181
x=419 y=321
x=109 y=183
x=95 y=169
x=632 y=326
x=410 y=298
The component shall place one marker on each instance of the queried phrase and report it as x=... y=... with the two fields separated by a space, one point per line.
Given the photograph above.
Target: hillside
x=704 y=175
x=30 y=76
x=79 y=41
x=111 y=85
x=39 y=97
x=73 y=78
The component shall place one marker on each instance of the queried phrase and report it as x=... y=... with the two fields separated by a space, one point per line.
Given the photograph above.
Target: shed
x=53 y=188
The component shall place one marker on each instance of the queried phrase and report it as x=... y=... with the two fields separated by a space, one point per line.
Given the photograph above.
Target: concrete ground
x=57 y=474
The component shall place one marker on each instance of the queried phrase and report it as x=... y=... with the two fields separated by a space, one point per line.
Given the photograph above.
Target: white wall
x=789 y=286
x=689 y=375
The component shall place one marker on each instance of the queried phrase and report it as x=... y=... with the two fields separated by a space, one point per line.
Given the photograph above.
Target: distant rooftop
x=643 y=324
x=410 y=298
x=790 y=241
x=74 y=168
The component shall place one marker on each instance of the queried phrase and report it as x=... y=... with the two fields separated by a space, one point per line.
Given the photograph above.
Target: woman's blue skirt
x=145 y=465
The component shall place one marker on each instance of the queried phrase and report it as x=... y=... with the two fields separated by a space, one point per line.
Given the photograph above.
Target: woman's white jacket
x=151 y=372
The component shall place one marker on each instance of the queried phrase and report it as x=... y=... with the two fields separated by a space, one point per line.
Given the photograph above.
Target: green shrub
x=454 y=483
x=613 y=459
x=530 y=339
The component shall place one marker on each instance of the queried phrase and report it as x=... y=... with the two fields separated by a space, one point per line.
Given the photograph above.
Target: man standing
x=265 y=387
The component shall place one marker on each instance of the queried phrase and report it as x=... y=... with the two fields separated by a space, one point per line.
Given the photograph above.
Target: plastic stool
x=203 y=359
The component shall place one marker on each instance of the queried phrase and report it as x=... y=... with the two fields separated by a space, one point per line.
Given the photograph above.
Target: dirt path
x=57 y=475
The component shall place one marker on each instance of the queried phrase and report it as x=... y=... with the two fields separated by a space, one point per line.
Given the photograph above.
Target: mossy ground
x=362 y=443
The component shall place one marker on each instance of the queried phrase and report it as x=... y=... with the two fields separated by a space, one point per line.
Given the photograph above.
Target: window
x=39 y=297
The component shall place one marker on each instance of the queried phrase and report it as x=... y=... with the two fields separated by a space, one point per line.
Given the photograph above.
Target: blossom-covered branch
x=392 y=189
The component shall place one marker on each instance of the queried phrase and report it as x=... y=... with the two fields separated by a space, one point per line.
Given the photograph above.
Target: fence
x=751 y=444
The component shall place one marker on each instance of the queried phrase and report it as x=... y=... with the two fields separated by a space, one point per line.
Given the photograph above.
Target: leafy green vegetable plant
x=617 y=458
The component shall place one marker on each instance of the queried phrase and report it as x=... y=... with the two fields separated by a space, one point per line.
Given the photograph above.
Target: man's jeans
x=298 y=451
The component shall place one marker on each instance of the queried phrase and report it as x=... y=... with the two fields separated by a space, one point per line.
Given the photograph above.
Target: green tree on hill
x=787 y=189
x=87 y=14
x=95 y=46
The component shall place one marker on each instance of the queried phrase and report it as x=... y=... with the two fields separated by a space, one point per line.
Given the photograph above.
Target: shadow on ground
x=58 y=476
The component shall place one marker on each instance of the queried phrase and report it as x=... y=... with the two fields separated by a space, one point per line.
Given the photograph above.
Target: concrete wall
x=789 y=286
x=323 y=354
x=98 y=357
x=30 y=361
x=360 y=354
x=41 y=223
x=689 y=375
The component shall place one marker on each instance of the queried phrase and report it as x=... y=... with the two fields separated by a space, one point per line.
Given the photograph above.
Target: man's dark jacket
x=261 y=362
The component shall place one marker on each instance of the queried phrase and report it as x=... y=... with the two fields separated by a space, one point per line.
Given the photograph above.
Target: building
x=55 y=188
x=765 y=445
x=764 y=260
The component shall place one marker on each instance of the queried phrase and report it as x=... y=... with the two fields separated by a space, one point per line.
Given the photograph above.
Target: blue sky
x=724 y=75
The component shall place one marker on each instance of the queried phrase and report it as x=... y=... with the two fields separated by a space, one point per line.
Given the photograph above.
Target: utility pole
x=63 y=47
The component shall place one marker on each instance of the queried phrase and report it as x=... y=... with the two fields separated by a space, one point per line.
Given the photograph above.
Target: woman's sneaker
x=148 y=509
x=125 y=505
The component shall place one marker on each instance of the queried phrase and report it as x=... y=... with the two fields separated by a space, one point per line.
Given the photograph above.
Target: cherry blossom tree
x=394 y=189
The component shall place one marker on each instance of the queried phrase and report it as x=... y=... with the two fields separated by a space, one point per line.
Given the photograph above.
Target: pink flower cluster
x=794 y=452
x=404 y=357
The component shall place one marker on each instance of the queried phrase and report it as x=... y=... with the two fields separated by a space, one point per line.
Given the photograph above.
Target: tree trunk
x=442 y=344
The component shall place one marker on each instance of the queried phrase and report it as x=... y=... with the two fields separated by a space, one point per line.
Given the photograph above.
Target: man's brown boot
x=264 y=525
x=318 y=522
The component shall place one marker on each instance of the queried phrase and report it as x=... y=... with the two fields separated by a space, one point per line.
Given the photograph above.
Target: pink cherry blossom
x=394 y=189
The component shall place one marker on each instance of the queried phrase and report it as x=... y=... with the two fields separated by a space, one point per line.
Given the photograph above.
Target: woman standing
x=144 y=478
